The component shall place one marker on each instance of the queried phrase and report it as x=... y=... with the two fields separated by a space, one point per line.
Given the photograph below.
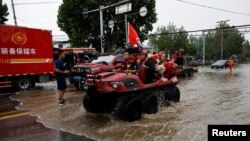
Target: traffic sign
x=123 y=8
x=143 y=11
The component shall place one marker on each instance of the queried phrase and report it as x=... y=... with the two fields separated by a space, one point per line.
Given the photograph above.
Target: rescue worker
x=147 y=68
x=174 y=57
x=163 y=58
x=179 y=58
x=155 y=58
x=230 y=63
x=129 y=63
x=60 y=75
x=170 y=66
x=137 y=65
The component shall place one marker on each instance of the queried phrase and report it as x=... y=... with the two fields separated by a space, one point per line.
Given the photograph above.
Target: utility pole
x=101 y=28
x=126 y=28
x=221 y=25
x=204 y=49
x=14 y=13
x=100 y=10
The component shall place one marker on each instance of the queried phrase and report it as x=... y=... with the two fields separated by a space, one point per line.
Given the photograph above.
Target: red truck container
x=26 y=56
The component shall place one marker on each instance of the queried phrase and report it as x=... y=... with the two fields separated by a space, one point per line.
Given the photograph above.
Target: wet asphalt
x=19 y=125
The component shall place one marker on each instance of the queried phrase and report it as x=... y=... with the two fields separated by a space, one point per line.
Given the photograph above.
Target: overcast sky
x=190 y=16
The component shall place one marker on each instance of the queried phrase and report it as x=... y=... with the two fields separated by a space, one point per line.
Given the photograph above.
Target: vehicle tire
x=133 y=110
x=92 y=104
x=168 y=95
x=33 y=84
x=190 y=73
x=151 y=104
x=23 y=83
x=186 y=73
x=175 y=94
x=128 y=109
x=119 y=107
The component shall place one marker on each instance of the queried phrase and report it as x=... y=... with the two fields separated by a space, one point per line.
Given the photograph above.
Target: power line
x=202 y=30
x=38 y=17
x=219 y=9
x=33 y=3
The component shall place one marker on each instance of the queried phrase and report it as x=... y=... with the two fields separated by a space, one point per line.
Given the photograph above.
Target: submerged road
x=210 y=97
x=19 y=125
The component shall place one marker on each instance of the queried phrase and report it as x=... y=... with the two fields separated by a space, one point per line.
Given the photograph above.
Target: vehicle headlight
x=95 y=69
x=115 y=85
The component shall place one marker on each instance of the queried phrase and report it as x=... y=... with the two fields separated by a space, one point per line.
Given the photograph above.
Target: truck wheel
x=168 y=96
x=186 y=73
x=120 y=107
x=23 y=83
x=91 y=104
x=175 y=93
x=128 y=109
x=151 y=104
x=133 y=110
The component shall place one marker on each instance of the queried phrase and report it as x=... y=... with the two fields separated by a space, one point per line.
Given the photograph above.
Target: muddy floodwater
x=210 y=97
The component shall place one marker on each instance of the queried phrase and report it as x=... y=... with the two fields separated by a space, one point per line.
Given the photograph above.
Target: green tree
x=232 y=43
x=246 y=49
x=168 y=39
x=82 y=30
x=3 y=12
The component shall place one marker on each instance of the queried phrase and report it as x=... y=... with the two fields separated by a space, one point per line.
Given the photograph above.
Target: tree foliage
x=246 y=49
x=233 y=42
x=3 y=12
x=83 y=31
x=171 y=38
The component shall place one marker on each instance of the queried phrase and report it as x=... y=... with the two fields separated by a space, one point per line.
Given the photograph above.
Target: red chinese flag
x=133 y=38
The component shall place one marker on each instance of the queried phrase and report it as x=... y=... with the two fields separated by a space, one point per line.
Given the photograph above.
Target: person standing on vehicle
x=163 y=58
x=147 y=68
x=60 y=75
x=129 y=63
x=230 y=63
x=137 y=65
x=169 y=65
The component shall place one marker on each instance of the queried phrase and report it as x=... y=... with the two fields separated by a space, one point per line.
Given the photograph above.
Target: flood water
x=210 y=97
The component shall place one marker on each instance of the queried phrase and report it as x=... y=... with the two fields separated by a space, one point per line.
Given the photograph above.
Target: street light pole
x=126 y=28
x=221 y=25
x=204 y=49
x=101 y=28
x=14 y=13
